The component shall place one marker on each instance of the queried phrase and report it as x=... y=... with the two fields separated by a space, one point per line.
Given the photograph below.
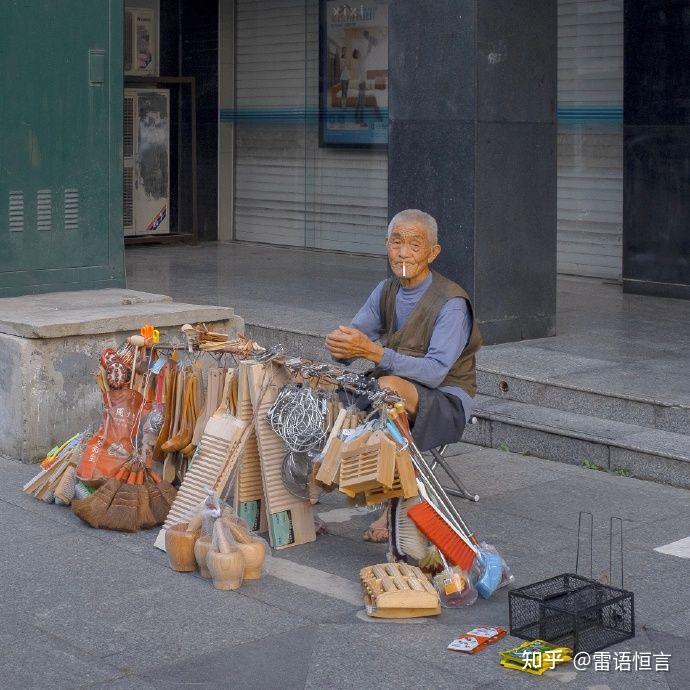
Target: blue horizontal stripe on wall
x=297 y=115
x=613 y=113
x=286 y=115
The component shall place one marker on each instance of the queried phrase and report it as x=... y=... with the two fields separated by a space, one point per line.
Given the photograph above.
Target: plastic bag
x=454 y=588
x=210 y=512
x=432 y=563
x=491 y=567
x=151 y=427
x=253 y=547
x=222 y=539
x=111 y=446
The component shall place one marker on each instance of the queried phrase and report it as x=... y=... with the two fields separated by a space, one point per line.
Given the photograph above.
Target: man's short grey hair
x=414 y=215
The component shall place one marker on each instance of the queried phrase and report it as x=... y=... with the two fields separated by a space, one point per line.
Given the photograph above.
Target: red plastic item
x=111 y=446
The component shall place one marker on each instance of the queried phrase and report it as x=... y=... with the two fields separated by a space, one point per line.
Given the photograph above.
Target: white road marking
x=342 y=514
x=680 y=548
x=316 y=580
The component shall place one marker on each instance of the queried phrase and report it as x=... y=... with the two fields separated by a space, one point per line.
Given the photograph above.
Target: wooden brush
x=170 y=378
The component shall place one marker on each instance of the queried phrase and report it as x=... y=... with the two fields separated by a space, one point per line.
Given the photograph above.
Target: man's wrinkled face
x=409 y=250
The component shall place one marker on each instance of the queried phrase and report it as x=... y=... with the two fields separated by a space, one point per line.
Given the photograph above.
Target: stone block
x=568 y=399
x=415 y=181
x=442 y=94
x=548 y=445
x=49 y=349
x=673 y=418
x=656 y=179
x=478 y=434
x=656 y=468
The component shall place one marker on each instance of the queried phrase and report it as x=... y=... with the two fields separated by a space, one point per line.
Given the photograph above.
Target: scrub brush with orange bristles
x=439 y=530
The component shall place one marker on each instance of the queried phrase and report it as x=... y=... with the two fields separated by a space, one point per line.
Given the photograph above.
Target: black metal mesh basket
x=572 y=611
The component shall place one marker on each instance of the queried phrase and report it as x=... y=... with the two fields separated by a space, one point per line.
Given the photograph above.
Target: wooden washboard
x=249 y=498
x=217 y=455
x=290 y=519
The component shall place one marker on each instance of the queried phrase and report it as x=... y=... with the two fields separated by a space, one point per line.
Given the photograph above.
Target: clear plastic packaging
x=432 y=563
x=253 y=547
x=491 y=567
x=210 y=512
x=454 y=588
x=225 y=561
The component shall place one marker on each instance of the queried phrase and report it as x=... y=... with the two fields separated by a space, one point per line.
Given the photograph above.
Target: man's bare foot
x=319 y=525
x=378 y=530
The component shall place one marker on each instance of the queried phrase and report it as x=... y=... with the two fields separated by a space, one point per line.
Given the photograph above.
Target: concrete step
x=604 y=401
x=564 y=436
x=523 y=411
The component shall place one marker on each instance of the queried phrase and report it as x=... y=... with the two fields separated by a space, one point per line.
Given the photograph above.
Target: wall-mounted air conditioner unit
x=141 y=42
x=146 y=153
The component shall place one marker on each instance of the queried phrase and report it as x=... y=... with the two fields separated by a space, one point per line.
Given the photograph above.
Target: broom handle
x=448 y=519
x=430 y=478
x=425 y=484
x=399 y=420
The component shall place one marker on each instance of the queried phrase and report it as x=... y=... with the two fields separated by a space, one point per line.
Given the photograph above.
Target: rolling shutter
x=288 y=189
x=590 y=137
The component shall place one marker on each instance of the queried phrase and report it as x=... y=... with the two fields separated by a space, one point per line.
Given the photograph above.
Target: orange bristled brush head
x=437 y=531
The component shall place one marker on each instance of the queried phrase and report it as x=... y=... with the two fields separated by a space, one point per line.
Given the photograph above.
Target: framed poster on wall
x=354 y=73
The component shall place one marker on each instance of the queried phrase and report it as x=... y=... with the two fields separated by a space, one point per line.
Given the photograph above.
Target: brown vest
x=414 y=337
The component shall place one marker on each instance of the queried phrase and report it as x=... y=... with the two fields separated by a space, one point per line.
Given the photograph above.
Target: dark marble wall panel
x=169 y=66
x=516 y=60
x=491 y=185
x=431 y=55
x=656 y=210
x=657 y=62
x=515 y=262
x=199 y=58
x=656 y=189
x=169 y=32
x=432 y=168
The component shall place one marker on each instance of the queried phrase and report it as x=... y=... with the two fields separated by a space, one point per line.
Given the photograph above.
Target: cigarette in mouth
x=404 y=276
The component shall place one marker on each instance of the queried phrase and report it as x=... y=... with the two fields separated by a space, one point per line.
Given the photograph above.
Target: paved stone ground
x=83 y=607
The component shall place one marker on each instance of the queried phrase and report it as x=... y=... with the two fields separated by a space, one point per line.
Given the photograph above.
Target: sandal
x=378 y=530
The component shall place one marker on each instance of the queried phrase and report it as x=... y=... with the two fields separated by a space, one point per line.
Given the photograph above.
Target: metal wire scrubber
x=298 y=417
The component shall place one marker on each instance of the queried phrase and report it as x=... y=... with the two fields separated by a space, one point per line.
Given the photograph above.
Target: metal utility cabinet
x=60 y=145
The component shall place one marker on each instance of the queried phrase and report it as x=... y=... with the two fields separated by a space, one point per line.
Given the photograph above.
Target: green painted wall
x=60 y=145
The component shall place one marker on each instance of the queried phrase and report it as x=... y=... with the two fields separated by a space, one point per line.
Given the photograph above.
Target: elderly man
x=418 y=329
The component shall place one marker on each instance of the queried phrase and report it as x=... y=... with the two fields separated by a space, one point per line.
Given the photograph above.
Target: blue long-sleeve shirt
x=449 y=338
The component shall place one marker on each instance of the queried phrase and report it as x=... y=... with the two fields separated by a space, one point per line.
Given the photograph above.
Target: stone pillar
x=473 y=142
x=656 y=200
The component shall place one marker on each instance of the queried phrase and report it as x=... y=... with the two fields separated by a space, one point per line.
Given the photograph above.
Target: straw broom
x=92 y=509
x=159 y=506
x=121 y=514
